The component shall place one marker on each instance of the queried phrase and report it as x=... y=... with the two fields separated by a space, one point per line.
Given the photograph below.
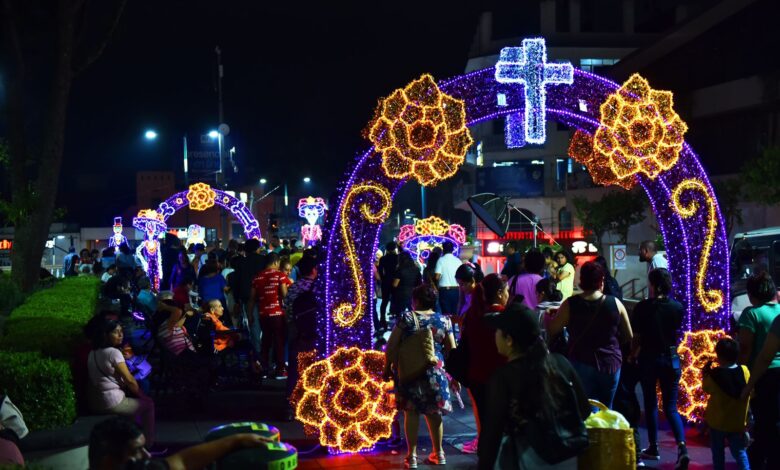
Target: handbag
x=457 y=363
x=417 y=353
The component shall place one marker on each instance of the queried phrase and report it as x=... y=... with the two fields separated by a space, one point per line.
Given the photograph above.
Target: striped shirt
x=175 y=339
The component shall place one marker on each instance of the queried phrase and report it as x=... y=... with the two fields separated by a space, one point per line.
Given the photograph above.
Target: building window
x=590 y=65
x=564 y=219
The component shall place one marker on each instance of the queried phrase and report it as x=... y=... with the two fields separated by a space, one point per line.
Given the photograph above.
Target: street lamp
x=213 y=134
x=263 y=181
x=150 y=134
x=307 y=180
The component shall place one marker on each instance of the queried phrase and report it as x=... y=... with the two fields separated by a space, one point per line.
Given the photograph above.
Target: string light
x=201 y=196
x=426 y=234
x=695 y=350
x=346 y=400
x=153 y=225
x=346 y=314
x=528 y=65
x=421 y=132
x=311 y=209
x=598 y=165
x=639 y=130
x=118 y=237
x=710 y=299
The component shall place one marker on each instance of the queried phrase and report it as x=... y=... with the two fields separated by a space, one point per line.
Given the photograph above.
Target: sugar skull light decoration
x=117 y=238
x=195 y=235
x=153 y=225
x=426 y=234
x=311 y=209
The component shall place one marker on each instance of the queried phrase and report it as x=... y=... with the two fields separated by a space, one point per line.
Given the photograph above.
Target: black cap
x=520 y=322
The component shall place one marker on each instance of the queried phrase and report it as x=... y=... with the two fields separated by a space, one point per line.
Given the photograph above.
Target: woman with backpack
x=536 y=405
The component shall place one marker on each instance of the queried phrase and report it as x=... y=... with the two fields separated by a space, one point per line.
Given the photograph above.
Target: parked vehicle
x=752 y=252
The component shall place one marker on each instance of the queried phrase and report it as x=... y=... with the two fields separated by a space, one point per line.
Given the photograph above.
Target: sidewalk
x=179 y=428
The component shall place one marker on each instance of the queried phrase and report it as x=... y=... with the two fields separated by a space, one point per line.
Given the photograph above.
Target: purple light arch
x=235 y=206
x=576 y=105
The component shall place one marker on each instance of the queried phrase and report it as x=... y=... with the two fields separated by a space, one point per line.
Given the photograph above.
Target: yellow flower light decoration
x=201 y=196
x=710 y=299
x=696 y=350
x=421 y=133
x=345 y=399
x=431 y=226
x=639 y=133
x=346 y=314
x=150 y=214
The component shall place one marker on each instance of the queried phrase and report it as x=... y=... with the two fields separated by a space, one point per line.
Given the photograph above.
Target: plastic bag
x=605 y=418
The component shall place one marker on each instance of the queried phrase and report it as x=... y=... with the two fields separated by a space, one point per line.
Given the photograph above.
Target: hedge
x=50 y=321
x=10 y=294
x=36 y=348
x=42 y=388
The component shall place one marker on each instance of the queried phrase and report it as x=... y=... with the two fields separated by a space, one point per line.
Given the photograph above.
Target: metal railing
x=634 y=293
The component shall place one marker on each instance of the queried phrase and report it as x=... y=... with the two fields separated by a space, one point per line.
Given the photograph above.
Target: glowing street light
x=307 y=180
x=263 y=181
x=213 y=134
x=150 y=134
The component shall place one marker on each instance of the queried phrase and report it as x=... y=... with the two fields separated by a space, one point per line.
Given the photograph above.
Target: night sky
x=301 y=82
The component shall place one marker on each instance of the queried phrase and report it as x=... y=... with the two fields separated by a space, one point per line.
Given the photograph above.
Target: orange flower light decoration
x=345 y=398
x=696 y=350
x=639 y=133
x=201 y=196
x=421 y=132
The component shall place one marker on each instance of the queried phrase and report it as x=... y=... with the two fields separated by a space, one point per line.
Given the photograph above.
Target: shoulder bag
x=417 y=353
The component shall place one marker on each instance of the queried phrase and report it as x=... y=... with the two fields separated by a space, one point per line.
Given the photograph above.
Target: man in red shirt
x=269 y=288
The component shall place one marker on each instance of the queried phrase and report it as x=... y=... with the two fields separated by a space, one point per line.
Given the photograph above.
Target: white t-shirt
x=101 y=365
x=658 y=261
x=446 y=266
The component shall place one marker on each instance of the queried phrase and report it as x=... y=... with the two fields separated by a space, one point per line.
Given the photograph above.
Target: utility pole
x=221 y=175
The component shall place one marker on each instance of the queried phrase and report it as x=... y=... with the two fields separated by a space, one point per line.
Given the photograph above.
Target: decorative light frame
x=576 y=103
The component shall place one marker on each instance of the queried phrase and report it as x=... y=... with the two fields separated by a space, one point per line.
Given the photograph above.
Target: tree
x=729 y=194
x=46 y=45
x=760 y=176
x=615 y=212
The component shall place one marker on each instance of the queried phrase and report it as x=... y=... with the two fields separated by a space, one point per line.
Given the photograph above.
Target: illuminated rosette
x=201 y=196
x=696 y=349
x=345 y=399
x=639 y=133
x=421 y=133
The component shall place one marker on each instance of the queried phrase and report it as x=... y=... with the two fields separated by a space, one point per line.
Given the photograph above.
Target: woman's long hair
x=100 y=333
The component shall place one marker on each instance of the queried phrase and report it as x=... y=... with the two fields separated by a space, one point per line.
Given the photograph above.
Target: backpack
x=302 y=317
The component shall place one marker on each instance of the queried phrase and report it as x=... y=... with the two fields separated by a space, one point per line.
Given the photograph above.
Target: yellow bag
x=610 y=447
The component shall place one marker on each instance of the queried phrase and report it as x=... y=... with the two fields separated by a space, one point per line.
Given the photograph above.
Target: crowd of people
x=527 y=348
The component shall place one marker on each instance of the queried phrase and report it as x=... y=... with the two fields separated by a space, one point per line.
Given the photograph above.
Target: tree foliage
x=615 y=212
x=760 y=176
x=729 y=195
x=45 y=46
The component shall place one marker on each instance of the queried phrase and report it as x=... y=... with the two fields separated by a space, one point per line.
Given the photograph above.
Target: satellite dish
x=492 y=210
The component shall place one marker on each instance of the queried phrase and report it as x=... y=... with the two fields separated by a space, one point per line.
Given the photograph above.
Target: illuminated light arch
x=199 y=196
x=690 y=228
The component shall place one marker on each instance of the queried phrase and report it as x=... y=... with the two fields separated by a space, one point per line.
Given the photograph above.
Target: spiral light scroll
x=710 y=299
x=346 y=314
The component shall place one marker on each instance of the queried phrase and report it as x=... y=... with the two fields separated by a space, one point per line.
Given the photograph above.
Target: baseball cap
x=519 y=322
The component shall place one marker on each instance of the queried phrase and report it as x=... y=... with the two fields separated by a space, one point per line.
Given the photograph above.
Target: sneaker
x=471 y=446
x=434 y=459
x=651 y=453
x=281 y=373
x=640 y=463
x=410 y=461
x=682 y=458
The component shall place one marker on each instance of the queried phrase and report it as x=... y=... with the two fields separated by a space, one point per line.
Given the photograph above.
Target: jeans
x=599 y=386
x=736 y=444
x=763 y=453
x=448 y=299
x=255 y=332
x=626 y=402
x=274 y=329
x=387 y=291
x=659 y=369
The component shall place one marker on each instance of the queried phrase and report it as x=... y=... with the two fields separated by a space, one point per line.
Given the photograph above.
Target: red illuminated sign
x=6 y=245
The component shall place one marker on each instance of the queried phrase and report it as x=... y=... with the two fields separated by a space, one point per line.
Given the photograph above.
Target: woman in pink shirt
x=525 y=284
x=113 y=389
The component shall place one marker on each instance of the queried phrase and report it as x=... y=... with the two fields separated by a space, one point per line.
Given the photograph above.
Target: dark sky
x=301 y=82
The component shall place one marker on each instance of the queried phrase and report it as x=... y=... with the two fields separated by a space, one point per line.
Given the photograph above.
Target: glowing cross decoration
x=528 y=65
